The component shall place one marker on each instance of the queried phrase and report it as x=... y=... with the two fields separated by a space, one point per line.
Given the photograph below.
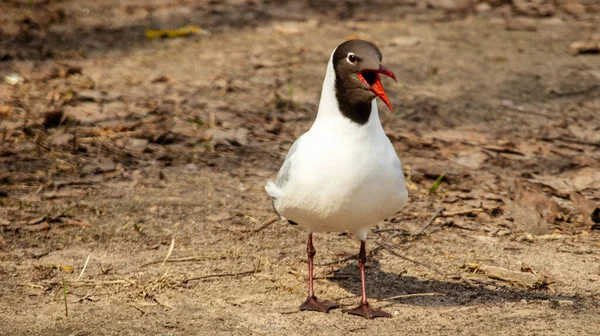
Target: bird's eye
x=351 y=58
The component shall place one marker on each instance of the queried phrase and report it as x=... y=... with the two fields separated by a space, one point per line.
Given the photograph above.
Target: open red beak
x=371 y=78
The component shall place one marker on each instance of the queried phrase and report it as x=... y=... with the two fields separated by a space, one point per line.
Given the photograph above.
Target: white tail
x=273 y=190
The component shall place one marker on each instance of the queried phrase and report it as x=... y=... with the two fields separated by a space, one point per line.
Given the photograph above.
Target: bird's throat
x=352 y=105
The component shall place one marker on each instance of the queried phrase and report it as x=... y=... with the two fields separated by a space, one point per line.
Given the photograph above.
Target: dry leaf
x=236 y=137
x=219 y=217
x=535 y=7
x=77 y=223
x=184 y=31
x=591 y=45
x=520 y=24
x=538 y=201
x=525 y=279
x=64 y=194
x=288 y=28
x=13 y=79
x=503 y=149
x=472 y=159
x=573 y=7
x=5 y=111
x=527 y=219
x=405 y=41
x=450 y=135
x=582 y=204
x=571 y=180
x=37 y=227
x=452 y=4
x=36 y=220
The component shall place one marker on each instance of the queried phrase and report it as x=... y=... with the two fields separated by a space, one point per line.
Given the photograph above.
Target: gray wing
x=284 y=173
x=283 y=176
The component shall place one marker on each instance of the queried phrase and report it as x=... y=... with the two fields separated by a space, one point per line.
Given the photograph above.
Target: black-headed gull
x=343 y=174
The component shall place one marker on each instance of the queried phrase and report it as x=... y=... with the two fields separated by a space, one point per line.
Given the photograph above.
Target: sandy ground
x=115 y=147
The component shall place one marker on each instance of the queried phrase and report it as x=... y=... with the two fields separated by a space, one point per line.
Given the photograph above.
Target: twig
x=90 y=282
x=480 y=282
x=92 y=139
x=354 y=256
x=337 y=261
x=84 y=266
x=65 y=297
x=260 y=65
x=335 y=276
x=435 y=215
x=161 y=304
x=409 y=114
x=268 y=222
x=522 y=110
x=372 y=251
x=223 y=275
x=38 y=227
x=409 y=296
x=526 y=279
x=170 y=251
x=164 y=276
x=575 y=141
x=449 y=213
x=290 y=312
x=139 y=309
x=184 y=259
x=462 y=212
x=502 y=150
x=387 y=248
x=576 y=92
x=401 y=232
x=86 y=297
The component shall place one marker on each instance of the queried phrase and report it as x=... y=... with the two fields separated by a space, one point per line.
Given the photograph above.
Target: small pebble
x=561 y=303
x=503 y=232
x=527 y=238
x=13 y=79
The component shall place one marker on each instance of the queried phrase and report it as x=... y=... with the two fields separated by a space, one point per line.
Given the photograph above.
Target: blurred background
x=136 y=138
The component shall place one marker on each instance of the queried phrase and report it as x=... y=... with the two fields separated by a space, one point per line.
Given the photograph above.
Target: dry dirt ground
x=115 y=147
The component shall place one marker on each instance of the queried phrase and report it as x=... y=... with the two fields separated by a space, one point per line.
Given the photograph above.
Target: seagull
x=343 y=174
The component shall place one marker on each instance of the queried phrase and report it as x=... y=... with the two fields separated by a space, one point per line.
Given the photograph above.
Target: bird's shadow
x=394 y=288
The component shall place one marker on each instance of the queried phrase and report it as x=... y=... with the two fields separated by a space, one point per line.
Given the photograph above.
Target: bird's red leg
x=364 y=310
x=312 y=303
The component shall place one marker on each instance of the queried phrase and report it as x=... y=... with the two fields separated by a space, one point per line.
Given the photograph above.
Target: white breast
x=345 y=178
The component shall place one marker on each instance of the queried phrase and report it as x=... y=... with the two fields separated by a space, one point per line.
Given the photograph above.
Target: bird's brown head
x=357 y=66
